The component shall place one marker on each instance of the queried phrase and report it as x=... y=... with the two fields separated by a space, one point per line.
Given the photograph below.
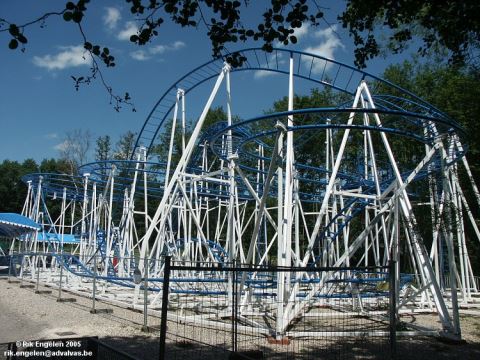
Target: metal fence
x=236 y=312
x=218 y=310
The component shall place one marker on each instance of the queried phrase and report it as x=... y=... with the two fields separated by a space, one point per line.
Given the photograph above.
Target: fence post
x=145 y=295
x=21 y=270
x=61 y=277
x=163 y=323
x=9 y=266
x=94 y=282
x=393 y=309
x=234 y=307
x=37 y=269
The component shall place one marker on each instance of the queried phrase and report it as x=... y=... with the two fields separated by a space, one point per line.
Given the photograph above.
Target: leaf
x=70 y=5
x=77 y=17
x=88 y=45
x=67 y=16
x=13 y=44
x=22 y=39
x=13 y=30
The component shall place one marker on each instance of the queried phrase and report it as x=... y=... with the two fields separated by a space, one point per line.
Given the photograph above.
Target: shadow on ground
x=421 y=348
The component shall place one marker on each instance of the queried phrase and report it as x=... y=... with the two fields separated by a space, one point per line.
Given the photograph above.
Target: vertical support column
x=285 y=194
x=36 y=215
x=459 y=230
x=62 y=223
x=280 y=240
x=297 y=224
x=393 y=308
x=59 y=299
x=231 y=190
x=145 y=296
x=287 y=222
x=36 y=266
x=180 y=94
x=450 y=249
x=84 y=212
x=109 y=236
x=231 y=173
x=395 y=258
x=143 y=159
x=26 y=205
x=184 y=121
x=94 y=290
x=365 y=174
x=436 y=244
x=235 y=303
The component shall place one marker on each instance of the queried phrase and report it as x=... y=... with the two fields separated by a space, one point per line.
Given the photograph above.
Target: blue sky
x=38 y=101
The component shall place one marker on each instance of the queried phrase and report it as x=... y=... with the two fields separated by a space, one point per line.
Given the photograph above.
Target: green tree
x=12 y=189
x=448 y=25
x=124 y=146
x=54 y=166
x=317 y=98
x=103 y=148
x=454 y=90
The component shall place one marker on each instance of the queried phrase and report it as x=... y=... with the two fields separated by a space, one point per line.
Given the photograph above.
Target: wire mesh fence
x=278 y=313
x=220 y=310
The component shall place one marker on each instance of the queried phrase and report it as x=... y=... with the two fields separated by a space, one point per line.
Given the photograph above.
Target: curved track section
x=314 y=68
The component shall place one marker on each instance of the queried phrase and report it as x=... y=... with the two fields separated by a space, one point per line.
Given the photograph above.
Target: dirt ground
x=25 y=315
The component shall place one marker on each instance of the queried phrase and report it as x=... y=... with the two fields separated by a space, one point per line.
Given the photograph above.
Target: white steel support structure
x=257 y=205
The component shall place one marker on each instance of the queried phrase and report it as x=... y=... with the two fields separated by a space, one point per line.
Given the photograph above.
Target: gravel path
x=25 y=315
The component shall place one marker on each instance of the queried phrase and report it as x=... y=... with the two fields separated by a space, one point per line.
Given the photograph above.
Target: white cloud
x=161 y=49
x=301 y=32
x=178 y=45
x=324 y=42
x=142 y=55
x=51 y=136
x=329 y=44
x=112 y=17
x=129 y=29
x=62 y=146
x=71 y=56
x=274 y=60
x=158 y=49
x=261 y=74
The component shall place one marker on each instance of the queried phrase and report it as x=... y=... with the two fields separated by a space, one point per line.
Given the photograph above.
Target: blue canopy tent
x=13 y=225
x=67 y=238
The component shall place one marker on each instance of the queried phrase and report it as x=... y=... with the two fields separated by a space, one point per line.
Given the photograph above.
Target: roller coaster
x=337 y=186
